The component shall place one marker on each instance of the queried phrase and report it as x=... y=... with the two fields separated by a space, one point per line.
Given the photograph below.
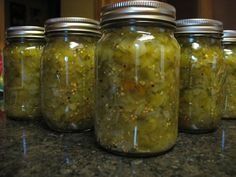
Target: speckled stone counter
x=31 y=150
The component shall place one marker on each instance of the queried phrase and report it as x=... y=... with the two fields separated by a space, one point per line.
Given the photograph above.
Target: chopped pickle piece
x=137 y=89
x=201 y=79
x=22 y=79
x=230 y=83
x=68 y=83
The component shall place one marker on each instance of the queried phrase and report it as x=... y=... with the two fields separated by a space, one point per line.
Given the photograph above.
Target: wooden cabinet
x=2 y=24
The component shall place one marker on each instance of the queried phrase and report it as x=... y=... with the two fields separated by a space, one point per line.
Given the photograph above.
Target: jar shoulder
x=133 y=38
x=27 y=49
x=197 y=42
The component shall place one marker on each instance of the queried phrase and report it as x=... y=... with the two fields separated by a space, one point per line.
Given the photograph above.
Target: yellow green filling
x=137 y=89
x=202 y=76
x=68 y=83
x=22 y=79
x=230 y=83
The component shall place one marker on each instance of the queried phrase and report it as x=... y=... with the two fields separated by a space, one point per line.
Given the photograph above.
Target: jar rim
x=25 y=31
x=72 y=24
x=199 y=25
x=229 y=36
x=140 y=10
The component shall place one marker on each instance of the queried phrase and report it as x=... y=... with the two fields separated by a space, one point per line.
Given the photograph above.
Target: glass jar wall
x=201 y=74
x=22 y=72
x=137 y=79
x=67 y=73
x=229 y=45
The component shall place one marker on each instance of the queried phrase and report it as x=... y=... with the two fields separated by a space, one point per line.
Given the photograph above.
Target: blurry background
x=35 y=12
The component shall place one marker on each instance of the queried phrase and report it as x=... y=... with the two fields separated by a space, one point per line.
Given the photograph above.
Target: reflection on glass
x=195 y=45
x=24 y=142
x=135 y=135
x=66 y=155
x=223 y=140
x=1 y=76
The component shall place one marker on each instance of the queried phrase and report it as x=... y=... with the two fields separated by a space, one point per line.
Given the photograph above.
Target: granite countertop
x=30 y=150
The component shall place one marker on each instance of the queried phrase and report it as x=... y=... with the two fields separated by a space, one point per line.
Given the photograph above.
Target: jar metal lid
x=199 y=25
x=25 y=31
x=72 y=24
x=139 y=10
x=229 y=36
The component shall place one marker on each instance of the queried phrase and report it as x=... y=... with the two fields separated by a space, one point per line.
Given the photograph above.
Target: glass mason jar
x=137 y=79
x=67 y=73
x=201 y=74
x=229 y=45
x=22 y=71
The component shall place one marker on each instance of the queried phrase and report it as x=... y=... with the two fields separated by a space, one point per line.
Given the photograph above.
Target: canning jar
x=67 y=73
x=201 y=74
x=229 y=45
x=24 y=45
x=137 y=78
